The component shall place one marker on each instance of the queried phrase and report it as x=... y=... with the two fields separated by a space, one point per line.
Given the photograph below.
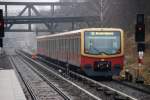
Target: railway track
x=101 y=89
x=138 y=87
x=136 y=90
x=76 y=92
x=38 y=88
x=31 y=95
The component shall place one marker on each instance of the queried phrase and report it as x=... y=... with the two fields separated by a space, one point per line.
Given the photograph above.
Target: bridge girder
x=48 y=21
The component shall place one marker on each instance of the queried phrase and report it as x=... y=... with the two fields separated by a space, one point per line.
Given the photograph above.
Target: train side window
x=52 y=47
x=55 y=47
x=76 y=40
x=65 y=46
x=73 y=46
x=59 y=45
x=70 y=45
x=76 y=49
x=62 y=46
x=48 y=46
x=78 y=45
x=44 y=47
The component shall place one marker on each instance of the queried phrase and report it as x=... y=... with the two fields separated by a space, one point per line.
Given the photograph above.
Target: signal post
x=140 y=40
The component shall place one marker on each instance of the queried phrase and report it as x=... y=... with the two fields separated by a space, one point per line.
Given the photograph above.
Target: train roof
x=77 y=31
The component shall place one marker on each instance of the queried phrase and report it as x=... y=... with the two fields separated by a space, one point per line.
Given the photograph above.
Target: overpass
x=31 y=15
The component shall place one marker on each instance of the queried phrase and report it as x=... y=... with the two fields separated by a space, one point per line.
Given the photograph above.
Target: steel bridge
x=31 y=15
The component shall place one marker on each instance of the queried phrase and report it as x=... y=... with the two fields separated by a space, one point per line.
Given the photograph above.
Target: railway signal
x=1 y=23
x=140 y=33
x=140 y=28
x=141 y=46
x=140 y=39
x=1 y=42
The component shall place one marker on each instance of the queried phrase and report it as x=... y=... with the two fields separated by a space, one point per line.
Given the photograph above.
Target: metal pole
x=6 y=12
x=73 y=25
x=29 y=15
x=101 y=12
x=52 y=10
x=140 y=78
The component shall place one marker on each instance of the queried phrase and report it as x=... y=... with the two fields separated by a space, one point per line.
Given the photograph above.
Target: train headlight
x=98 y=66
x=107 y=65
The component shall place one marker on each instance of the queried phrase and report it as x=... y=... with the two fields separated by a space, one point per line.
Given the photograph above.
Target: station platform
x=10 y=88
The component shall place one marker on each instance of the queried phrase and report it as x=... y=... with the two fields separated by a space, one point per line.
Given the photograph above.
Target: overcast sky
x=29 y=0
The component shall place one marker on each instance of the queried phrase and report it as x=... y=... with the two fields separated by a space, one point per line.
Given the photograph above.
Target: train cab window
x=98 y=43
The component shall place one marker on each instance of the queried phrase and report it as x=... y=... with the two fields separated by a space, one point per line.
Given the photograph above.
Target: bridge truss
x=30 y=14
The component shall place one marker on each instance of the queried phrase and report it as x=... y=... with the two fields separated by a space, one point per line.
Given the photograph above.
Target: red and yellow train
x=94 y=51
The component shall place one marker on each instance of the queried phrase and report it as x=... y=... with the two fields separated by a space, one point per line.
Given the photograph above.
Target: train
x=96 y=52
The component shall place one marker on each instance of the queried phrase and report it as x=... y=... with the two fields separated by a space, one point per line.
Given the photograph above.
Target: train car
x=95 y=51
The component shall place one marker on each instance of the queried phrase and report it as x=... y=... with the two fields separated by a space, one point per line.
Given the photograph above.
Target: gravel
x=39 y=87
x=4 y=62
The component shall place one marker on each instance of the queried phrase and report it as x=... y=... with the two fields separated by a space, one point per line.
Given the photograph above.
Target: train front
x=102 y=52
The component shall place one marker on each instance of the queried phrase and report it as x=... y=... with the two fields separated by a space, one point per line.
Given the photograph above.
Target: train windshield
x=99 y=43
